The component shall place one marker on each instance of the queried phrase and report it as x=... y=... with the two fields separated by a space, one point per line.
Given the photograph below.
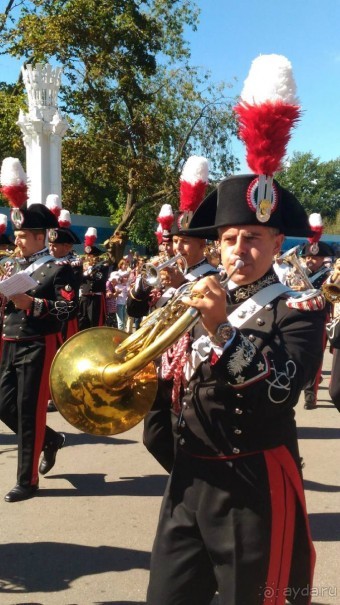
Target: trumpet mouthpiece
x=239 y=264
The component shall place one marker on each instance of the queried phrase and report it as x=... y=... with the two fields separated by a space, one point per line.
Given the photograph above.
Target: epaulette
x=309 y=300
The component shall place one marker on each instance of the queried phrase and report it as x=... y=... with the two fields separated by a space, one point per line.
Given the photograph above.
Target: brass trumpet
x=151 y=272
x=104 y=381
x=331 y=288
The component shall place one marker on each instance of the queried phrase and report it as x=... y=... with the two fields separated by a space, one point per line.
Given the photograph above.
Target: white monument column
x=43 y=128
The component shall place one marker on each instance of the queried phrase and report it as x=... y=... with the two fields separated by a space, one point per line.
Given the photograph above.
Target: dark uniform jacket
x=244 y=402
x=55 y=301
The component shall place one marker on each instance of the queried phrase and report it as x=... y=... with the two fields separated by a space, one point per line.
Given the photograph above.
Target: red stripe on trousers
x=286 y=488
x=44 y=392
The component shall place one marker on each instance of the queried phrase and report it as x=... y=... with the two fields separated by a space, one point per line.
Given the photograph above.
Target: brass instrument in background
x=151 y=271
x=9 y=264
x=331 y=288
x=104 y=381
x=298 y=277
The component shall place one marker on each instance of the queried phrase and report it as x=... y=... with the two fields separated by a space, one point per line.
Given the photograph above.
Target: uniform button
x=22 y=319
x=38 y=282
x=187 y=390
x=4 y=326
x=260 y=321
x=4 y=334
x=251 y=337
x=21 y=328
x=269 y=306
x=238 y=411
x=5 y=316
x=48 y=266
x=182 y=441
x=43 y=274
x=239 y=395
x=236 y=450
x=238 y=432
x=182 y=424
x=184 y=405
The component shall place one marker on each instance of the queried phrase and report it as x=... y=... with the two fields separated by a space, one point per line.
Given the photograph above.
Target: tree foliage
x=316 y=184
x=137 y=109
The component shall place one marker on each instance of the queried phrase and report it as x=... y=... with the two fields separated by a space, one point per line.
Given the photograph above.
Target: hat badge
x=52 y=235
x=262 y=197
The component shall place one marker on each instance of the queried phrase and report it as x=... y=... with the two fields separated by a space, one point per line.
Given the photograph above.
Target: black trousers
x=215 y=533
x=24 y=392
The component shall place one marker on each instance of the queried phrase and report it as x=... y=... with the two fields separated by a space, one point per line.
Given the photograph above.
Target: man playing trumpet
x=233 y=517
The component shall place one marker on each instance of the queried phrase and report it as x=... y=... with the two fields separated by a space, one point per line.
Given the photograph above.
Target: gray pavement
x=86 y=538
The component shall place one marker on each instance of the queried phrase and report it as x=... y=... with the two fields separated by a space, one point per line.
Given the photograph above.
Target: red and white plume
x=267 y=112
x=53 y=203
x=64 y=218
x=13 y=182
x=90 y=238
x=165 y=218
x=193 y=183
x=316 y=225
x=3 y=223
x=159 y=234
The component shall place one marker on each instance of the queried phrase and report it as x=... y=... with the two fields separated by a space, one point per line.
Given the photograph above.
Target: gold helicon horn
x=104 y=381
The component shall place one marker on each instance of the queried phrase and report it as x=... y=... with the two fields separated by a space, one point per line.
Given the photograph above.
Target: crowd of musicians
x=233 y=518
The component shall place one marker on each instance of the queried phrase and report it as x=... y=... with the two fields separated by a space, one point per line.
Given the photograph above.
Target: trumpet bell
x=82 y=396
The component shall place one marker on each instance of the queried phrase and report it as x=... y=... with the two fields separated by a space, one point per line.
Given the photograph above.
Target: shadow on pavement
x=93 y=484
x=313 y=432
x=74 y=439
x=313 y=486
x=52 y=566
x=325 y=527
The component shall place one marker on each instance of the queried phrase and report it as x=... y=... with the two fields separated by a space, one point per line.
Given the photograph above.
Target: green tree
x=137 y=108
x=316 y=184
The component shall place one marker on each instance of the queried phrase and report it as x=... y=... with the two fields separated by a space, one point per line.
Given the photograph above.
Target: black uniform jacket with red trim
x=244 y=402
x=55 y=301
x=94 y=281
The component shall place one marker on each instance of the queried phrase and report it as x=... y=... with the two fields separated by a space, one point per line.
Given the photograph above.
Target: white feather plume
x=270 y=79
x=166 y=210
x=12 y=172
x=315 y=220
x=195 y=169
x=91 y=231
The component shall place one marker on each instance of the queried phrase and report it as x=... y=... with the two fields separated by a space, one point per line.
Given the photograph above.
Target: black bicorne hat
x=234 y=203
x=321 y=249
x=36 y=216
x=64 y=235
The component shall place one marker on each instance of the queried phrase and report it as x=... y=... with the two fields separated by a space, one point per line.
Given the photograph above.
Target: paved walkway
x=86 y=538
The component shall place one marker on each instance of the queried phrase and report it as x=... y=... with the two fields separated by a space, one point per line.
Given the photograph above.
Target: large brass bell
x=85 y=399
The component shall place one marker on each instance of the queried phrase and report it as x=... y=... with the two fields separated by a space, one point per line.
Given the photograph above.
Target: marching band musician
x=32 y=322
x=93 y=285
x=158 y=434
x=314 y=254
x=233 y=516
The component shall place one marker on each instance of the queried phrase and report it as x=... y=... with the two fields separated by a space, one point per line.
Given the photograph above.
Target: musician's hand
x=210 y=299
x=22 y=301
x=172 y=277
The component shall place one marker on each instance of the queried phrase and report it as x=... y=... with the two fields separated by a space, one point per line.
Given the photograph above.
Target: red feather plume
x=265 y=130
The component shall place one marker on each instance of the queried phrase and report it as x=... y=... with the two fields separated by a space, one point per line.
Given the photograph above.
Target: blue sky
x=232 y=33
